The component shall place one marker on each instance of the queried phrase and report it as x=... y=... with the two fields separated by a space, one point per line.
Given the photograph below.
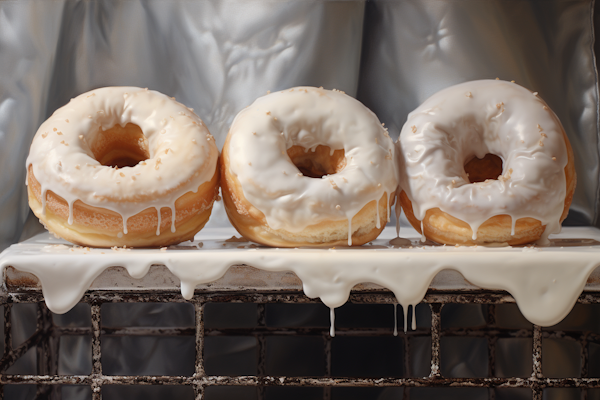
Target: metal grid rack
x=46 y=341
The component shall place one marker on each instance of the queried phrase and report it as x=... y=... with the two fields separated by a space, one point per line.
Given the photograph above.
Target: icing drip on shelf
x=332 y=322
x=496 y=117
x=310 y=117
x=545 y=282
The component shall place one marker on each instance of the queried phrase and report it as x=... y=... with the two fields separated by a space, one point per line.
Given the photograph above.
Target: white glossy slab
x=248 y=278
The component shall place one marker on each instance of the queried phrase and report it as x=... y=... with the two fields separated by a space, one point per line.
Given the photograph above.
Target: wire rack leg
x=96 y=353
x=199 y=373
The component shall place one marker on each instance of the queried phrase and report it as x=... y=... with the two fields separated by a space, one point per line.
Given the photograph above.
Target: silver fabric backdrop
x=213 y=56
x=218 y=56
x=413 y=48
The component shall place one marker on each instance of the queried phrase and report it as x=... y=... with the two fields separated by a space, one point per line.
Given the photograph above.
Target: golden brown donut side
x=251 y=222
x=443 y=228
x=99 y=227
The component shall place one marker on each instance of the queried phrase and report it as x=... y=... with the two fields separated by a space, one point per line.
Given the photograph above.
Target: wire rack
x=47 y=334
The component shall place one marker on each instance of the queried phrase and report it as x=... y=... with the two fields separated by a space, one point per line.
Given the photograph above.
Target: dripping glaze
x=545 y=282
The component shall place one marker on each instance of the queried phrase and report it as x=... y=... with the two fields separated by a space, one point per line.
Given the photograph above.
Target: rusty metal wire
x=47 y=337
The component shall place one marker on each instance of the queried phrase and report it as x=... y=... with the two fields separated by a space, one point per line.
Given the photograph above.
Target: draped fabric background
x=218 y=56
x=213 y=56
x=414 y=48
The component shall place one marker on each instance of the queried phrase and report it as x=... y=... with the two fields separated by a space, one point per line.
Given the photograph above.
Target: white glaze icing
x=309 y=117
x=545 y=282
x=64 y=164
x=473 y=119
x=332 y=322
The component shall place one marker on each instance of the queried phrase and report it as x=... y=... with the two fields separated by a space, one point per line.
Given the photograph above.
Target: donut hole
x=119 y=146
x=489 y=167
x=318 y=162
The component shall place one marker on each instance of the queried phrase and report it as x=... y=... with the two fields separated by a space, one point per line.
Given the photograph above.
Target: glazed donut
x=123 y=166
x=485 y=162
x=308 y=167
